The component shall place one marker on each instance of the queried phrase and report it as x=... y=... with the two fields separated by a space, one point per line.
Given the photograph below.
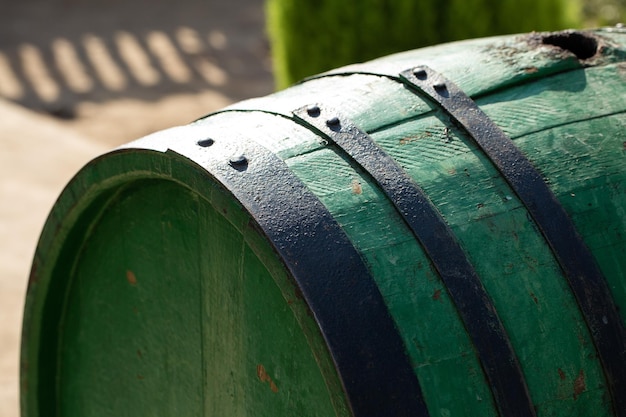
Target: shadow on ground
x=57 y=55
x=59 y=52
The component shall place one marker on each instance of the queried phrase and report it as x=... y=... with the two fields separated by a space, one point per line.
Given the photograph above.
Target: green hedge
x=311 y=36
x=604 y=12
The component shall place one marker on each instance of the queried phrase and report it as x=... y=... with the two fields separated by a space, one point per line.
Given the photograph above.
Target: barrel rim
x=38 y=384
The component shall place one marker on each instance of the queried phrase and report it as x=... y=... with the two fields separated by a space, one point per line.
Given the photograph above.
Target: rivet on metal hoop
x=238 y=160
x=313 y=111
x=439 y=86
x=205 y=142
x=420 y=73
x=333 y=122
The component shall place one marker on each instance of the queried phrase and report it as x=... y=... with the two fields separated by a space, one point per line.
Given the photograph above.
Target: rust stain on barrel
x=263 y=376
x=131 y=278
x=579 y=384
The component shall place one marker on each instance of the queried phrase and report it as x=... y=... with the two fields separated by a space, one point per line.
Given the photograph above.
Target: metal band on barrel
x=583 y=274
x=368 y=351
x=461 y=280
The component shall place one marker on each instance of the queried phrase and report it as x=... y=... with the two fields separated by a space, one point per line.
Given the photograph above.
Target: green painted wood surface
x=151 y=292
x=163 y=301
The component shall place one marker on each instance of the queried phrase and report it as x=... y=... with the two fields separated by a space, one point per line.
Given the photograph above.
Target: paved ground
x=78 y=77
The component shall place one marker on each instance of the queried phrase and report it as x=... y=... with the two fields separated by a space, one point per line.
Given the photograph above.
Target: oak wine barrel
x=440 y=232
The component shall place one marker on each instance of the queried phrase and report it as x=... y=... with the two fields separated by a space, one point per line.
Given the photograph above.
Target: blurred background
x=79 y=77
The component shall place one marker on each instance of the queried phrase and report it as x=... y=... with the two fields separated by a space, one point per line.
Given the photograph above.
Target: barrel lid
x=152 y=292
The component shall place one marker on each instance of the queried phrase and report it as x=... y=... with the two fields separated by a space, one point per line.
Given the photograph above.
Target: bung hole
x=581 y=45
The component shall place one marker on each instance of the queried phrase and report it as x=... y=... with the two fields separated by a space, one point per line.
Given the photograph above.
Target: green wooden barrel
x=441 y=232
